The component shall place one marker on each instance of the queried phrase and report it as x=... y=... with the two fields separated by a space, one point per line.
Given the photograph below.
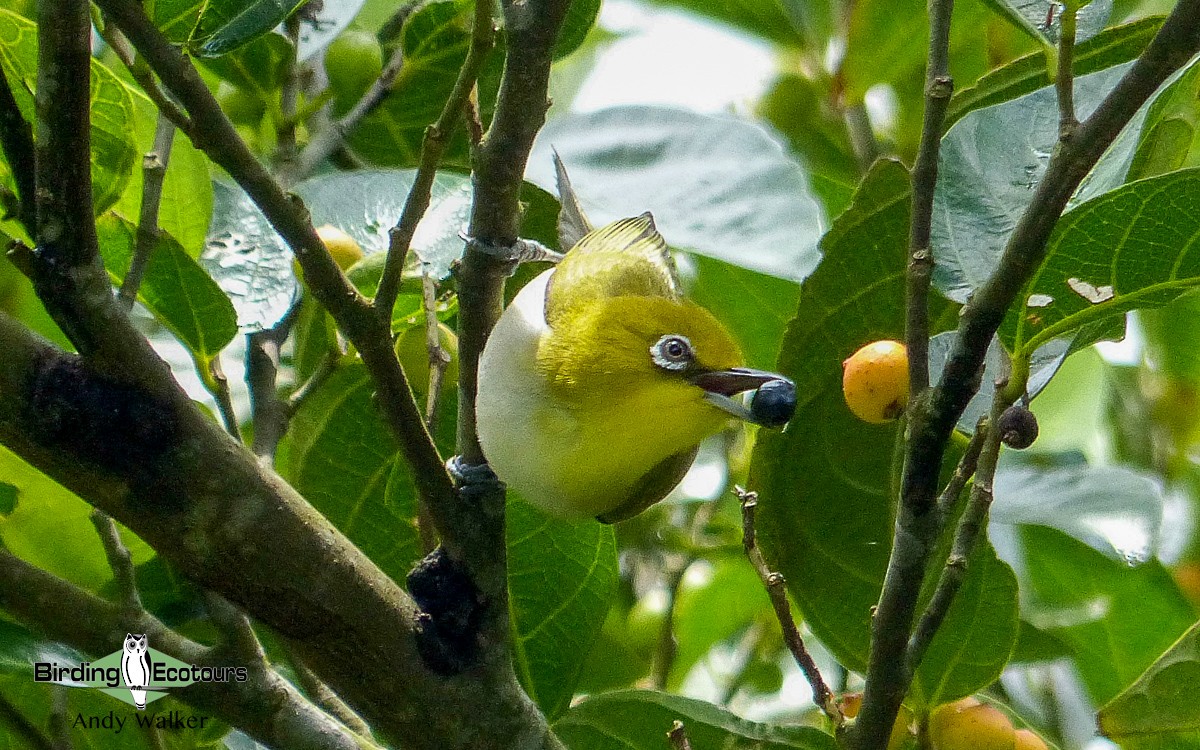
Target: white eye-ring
x=672 y=352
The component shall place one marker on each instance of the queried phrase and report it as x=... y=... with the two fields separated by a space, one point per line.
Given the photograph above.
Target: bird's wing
x=653 y=487
x=573 y=224
x=625 y=258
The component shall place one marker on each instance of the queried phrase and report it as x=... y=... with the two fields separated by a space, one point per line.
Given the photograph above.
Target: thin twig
x=145 y=78
x=862 y=135
x=973 y=521
x=668 y=644
x=323 y=696
x=437 y=136
x=1064 y=79
x=154 y=171
x=218 y=386
x=60 y=732
x=939 y=87
x=322 y=144
x=285 y=129
x=439 y=358
x=325 y=369
x=678 y=736
x=16 y=140
x=776 y=588
x=119 y=559
x=238 y=638
x=963 y=471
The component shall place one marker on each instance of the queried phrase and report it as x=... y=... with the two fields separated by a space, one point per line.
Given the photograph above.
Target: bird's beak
x=772 y=410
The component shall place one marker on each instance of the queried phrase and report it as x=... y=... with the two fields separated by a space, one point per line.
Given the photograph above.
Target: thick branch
x=265 y=707
x=930 y=426
x=437 y=136
x=215 y=135
x=1064 y=79
x=210 y=509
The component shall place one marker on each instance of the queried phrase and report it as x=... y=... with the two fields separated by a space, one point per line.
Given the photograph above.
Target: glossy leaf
x=175 y=289
x=225 y=25
x=1110 y=508
x=788 y=23
x=114 y=151
x=1161 y=705
x=1043 y=365
x=258 y=67
x=561 y=579
x=986 y=179
x=342 y=459
x=1170 y=131
x=50 y=527
x=640 y=720
x=1126 y=250
x=1110 y=47
x=720 y=187
x=1043 y=21
x=248 y=260
x=1117 y=619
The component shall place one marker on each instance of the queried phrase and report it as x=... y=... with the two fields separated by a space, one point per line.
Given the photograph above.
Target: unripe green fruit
x=412 y=350
x=352 y=62
x=875 y=381
x=978 y=727
x=241 y=107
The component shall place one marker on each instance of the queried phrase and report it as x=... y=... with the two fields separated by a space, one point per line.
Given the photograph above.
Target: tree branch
x=119 y=559
x=215 y=135
x=939 y=87
x=268 y=708
x=437 y=136
x=776 y=588
x=154 y=171
x=1064 y=78
x=931 y=423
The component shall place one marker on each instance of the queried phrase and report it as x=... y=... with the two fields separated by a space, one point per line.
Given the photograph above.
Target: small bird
x=600 y=380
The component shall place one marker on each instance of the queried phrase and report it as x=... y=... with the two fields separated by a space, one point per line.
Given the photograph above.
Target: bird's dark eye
x=672 y=352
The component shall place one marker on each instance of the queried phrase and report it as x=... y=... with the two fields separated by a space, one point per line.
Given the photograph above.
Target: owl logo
x=135 y=667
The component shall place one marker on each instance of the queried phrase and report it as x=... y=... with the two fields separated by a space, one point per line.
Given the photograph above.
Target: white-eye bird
x=600 y=380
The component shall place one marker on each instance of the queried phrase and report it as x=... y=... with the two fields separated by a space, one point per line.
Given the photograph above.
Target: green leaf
x=51 y=528
x=977 y=637
x=249 y=261
x=834 y=562
x=434 y=41
x=1024 y=75
x=1117 y=619
x=1170 y=130
x=258 y=68
x=1161 y=704
x=175 y=289
x=175 y=18
x=1128 y=249
x=367 y=203
x=720 y=608
x=788 y=23
x=1043 y=22
x=561 y=579
x=186 y=206
x=344 y=461
x=114 y=151
x=716 y=185
x=225 y=25
x=754 y=306
x=1110 y=508
x=640 y=720
x=581 y=17
x=1035 y=645
x=986 y=179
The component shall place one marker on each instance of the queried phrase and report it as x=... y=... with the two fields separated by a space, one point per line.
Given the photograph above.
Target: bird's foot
x=520 y=251
x=473 y=478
